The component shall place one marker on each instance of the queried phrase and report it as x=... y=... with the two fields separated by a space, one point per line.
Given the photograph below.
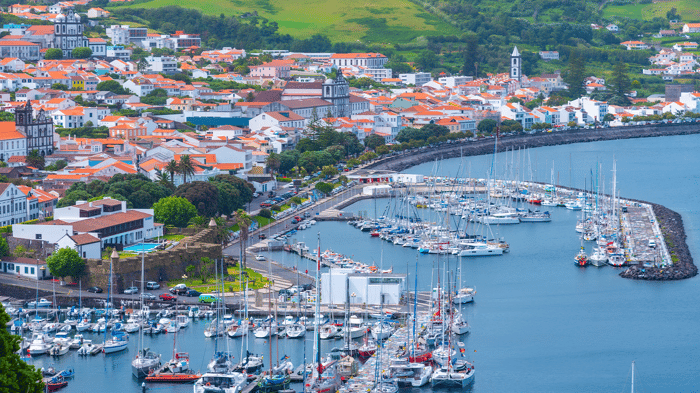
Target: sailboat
x=119 y=340
x=325 y=377
x=220 y=378
x=145 y=361
x=175 y=370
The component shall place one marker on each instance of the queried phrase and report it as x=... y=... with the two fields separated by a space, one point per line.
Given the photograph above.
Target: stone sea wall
x=670 y=222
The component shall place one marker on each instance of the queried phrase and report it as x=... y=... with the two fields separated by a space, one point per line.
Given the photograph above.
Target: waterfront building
x=362 y=288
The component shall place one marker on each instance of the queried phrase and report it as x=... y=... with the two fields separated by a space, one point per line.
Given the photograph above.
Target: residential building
x=417 y=79
x=24 y=50
x=13 y=205
x=12 y=142
x=274 y=69
x=124 y=35
x=549 y=55
x=106 y=219
x=691 y=28
x=87 y=245
x=97 y=13
x=634 y=45
x=118 y=52
x=369 y=60
x=25 y=267
x=164 y=64
x=98 y=46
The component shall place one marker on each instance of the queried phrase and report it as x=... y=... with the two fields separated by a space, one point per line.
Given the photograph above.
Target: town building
x=25 y=267
x=68 y=33
x=417 y=79
x=23 y=50
x=38 y=130
x=340 y=284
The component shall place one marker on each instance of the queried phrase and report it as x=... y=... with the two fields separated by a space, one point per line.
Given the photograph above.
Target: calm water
x=538 y=323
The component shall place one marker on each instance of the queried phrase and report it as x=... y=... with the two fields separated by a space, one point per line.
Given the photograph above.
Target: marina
x=530 y=289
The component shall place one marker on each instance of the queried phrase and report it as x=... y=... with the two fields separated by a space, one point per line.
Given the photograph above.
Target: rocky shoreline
x=670 y=222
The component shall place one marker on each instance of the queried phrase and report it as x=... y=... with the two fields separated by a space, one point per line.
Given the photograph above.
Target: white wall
x=49 y=233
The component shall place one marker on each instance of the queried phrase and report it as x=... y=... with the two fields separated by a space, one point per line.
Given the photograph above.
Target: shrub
x=265 y=213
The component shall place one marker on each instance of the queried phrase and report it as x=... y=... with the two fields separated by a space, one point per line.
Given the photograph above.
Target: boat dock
x=640 y=227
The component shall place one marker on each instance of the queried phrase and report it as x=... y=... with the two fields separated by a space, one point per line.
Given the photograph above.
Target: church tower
x=516 y=65
x=337 y=92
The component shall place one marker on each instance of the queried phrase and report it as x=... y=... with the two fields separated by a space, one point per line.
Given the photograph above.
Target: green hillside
x=378 y=21
x=688 y=9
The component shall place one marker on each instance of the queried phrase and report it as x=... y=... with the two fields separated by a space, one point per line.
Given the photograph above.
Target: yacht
x=598 y=258
x=40 y=344
x=409 y=374
x=144 y=363
x=446 y=377
x=296 y=330
x=329 y=331
x=238 y=329
x=193 y=312
x=479 y=249
x=381 y=330
x=220 y=383
x=459 y=326
x=465 y=295
x=535 y=216
x=117 y=343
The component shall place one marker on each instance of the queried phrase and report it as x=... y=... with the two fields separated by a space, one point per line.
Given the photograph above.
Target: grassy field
x=232 y=284
x=687 y=8
x=378 y=21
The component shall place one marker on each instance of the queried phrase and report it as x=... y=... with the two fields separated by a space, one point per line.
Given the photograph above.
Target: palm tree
x=243 y=220
x=172 y=168
x=273 y=162
x=185 y=167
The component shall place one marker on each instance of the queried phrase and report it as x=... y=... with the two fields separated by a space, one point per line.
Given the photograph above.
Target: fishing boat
x=581 y=259
x=55 y=383
x=368 y=349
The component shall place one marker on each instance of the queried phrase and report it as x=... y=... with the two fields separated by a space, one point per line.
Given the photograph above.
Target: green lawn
x=232 y=282
x=262 y=221
x=378 y=21
x=174 y=238
x=687 y=8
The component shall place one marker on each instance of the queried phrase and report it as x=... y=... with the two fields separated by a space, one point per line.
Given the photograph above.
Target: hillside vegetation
x=378 y=21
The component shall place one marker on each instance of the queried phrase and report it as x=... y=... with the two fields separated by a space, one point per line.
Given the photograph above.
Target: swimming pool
x=145 y=247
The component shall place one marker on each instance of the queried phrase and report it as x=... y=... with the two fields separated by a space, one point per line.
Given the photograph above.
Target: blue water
x=145 y=247
x=538 y=323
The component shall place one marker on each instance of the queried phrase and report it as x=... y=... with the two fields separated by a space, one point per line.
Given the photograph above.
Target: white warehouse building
x=339 y=285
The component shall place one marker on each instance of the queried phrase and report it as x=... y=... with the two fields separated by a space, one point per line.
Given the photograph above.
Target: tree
x=273 y=162
x=487 y=126
x=203 y=195
x=35 y=159
x=112 y=86
x=65 y=262
x=171 y=168
x=575 y=75
x=82 y=52
x=4 y=247
x=329 y=170
x=620 y=82
x=53 y=54
x=398 y=67
x=325 y=188
x=243 y=220
x=374 y=140
x=427 y=60
x=15 y=374
x=185 y=167
x=174 y=211
x=59 y=86
x=471 y=55
x=265 y=213
x=608 y=117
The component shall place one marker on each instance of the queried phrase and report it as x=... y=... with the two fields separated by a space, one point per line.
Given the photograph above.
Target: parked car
x=148 y=296
x=167 y=297
x=152 y=285
x=207 y=298
x=259 y=257
x=95 y=289
x=178 y=288
x=131 y=290
x=267 y=203
x=262 y=236
x=285 y=292
x=192 y=293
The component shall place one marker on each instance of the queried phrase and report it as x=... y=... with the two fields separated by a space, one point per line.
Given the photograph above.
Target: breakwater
x=485 y=146
x=670 y=222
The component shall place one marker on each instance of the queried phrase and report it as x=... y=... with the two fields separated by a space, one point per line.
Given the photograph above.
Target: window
x=38 y=236
x=26 y=270
x=32 y=270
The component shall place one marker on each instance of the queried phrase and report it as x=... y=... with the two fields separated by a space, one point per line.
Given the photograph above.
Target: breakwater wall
x=670 y=221
x=485 y=146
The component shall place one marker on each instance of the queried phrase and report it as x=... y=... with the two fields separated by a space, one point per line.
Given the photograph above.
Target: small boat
x=220 y=383
x=347 y=367
x=446 y=377
x=193 y=312
x=251 y=364
x=177 y=370
x=598 y=258
x=381 y=330
x=67 y=374
x=329 y=331
x=581 y=259
x=144 y=363
x=239 y=329
x=59 y=349
x=56 y=383
x=117 y=343
x=459 y=326
x=367 y=349
x=274 y=382
x=40 y=344
x=465 y=295
x=296 y=330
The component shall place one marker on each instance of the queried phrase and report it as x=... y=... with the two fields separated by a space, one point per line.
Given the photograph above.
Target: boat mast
x=143 y=253
x=415 y=305
x=632 y=376
x=317 y=338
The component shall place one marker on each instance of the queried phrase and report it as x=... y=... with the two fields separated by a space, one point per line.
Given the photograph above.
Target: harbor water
x=538 y=322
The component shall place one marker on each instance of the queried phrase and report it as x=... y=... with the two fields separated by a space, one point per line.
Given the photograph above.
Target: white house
x=12 y=142
x=691 y=28
x=280 y=119
x=165 y=64
x=417 y=79
x=139 y=86
x=26 y=267
x=86 y=245
x=98 y=46
x=549 y=55
x=13 y=205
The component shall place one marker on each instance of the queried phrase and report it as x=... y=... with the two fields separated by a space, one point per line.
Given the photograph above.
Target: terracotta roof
x=8 y=131
x=85 y=238
x=25 y=261
x=95 y=224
